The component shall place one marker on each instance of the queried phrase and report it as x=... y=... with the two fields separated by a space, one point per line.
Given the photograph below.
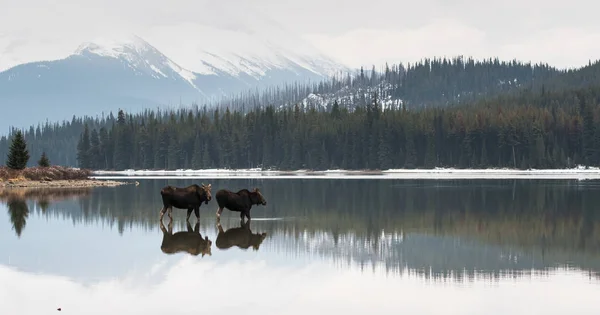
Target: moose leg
x=162 y=212
x=189 y=212
x=247 y=213
x=219 y=210
x=197 y=213
x=170 y=213
x=162 y=227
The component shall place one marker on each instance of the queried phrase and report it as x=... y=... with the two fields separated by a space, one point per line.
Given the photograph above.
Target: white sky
x=562 y=33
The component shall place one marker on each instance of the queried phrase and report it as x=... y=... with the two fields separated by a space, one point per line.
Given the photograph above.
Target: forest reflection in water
x=461 y=229
x=17 y=199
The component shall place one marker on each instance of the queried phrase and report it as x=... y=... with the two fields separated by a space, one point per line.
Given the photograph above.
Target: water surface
x=319 y=246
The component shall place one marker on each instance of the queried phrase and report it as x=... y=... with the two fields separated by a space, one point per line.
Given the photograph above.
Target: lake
x=320 y=246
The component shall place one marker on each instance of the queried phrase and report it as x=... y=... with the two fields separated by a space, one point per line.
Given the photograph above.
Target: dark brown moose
x=241 y=201
x=241 y=237
x=190 y=198
x=189 y=241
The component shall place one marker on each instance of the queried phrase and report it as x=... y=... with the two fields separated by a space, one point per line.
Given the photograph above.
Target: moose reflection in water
x=190 y=198
x=241 y=237
x=190 y=241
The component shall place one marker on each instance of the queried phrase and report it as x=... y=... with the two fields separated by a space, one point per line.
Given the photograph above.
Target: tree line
x=548 y=130
x=442 y=83
x=429 y=82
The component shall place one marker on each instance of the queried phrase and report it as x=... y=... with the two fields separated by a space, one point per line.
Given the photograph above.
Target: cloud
x=562 y=47
x=376 y=46
x=254 y=286
x=357 y=33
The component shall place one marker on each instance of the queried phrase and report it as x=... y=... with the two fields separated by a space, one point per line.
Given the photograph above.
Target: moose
x=190 y=198
x=241 y=237
x=241 y=201
x=190 y=241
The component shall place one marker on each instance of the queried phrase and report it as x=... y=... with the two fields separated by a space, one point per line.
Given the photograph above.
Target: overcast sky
x=562 y=33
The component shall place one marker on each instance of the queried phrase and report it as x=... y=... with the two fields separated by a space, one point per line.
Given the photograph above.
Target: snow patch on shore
x=579 y=173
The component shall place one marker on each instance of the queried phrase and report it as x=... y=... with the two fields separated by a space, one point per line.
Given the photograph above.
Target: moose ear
x=256 y=189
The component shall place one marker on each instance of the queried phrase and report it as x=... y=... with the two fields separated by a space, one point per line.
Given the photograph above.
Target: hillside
x=431 y=82
x=396 y=85
x=527 y=127
x=128 y=72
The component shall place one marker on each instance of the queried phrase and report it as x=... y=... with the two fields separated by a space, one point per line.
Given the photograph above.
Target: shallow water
x=329 y=245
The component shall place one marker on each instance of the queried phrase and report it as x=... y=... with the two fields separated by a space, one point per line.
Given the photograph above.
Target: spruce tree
x=18 y=155
x=44 y=161
x=83 y=148
x=95 y=160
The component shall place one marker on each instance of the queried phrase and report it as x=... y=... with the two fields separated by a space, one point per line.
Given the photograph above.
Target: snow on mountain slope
x=209 y=50
x=139 y=55
x=237 y=39
x=222 y=39
x=225 y=49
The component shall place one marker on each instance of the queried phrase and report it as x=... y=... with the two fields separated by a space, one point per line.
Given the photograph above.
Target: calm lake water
x=330 y=246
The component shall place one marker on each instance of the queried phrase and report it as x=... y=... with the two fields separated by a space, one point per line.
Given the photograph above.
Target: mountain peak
x=115 y=46
x=138 y=54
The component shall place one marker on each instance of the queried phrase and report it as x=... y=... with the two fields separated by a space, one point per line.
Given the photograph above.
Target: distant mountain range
x=129 y=73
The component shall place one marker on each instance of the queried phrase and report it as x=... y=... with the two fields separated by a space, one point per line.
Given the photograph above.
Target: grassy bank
x=52 y=176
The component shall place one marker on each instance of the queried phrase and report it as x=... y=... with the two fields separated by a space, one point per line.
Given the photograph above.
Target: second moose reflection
x=241 y=237
x=190 y=241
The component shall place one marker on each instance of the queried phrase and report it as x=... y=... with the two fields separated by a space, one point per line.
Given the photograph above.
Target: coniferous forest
x=549 y=120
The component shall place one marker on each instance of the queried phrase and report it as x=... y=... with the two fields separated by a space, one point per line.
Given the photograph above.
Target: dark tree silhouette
x=44 y=162
x=18 y=156
x=19 y=211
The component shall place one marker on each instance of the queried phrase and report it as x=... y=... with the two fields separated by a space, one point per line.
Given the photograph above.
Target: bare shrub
x=45 y=173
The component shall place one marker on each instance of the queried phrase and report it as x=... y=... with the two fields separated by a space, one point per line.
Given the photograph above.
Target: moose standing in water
x=241 y=201
x=190 y=198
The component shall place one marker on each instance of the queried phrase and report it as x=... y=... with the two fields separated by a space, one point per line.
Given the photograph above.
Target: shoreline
x=578 y=173
x=68 y=183
x=55 y=176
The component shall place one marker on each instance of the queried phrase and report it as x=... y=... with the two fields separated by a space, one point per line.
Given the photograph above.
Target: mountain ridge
x=106 y=74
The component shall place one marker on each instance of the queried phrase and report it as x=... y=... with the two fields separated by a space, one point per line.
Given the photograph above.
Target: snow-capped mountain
x=106 y=74
x=139 y=56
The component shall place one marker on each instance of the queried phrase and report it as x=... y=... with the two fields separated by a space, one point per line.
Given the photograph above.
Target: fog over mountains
x=128 y=72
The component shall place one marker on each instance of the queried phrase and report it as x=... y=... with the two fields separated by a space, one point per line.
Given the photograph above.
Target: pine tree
x=18 y=155
x=430 y=156
x=411 y=152
x=83 y=148
x=122 y=148
x=104 y=148
x=197 y=153
x=44 y=161
x=206 y=160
